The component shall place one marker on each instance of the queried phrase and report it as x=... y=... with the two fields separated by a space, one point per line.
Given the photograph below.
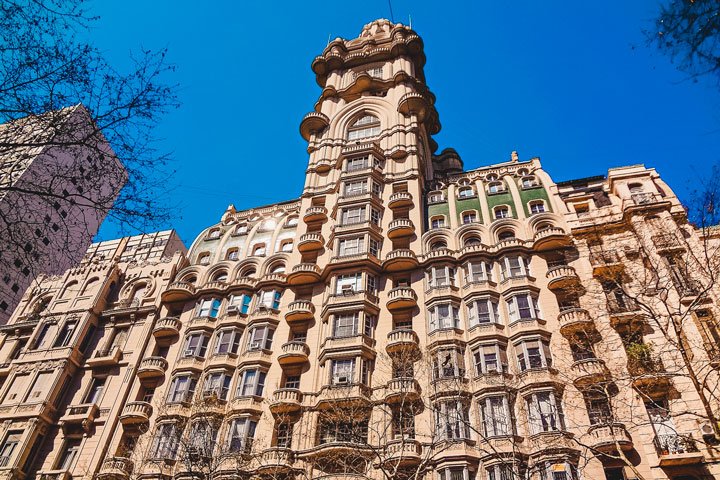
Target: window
x=448 y=363
x=436 y=197
x=374 y=216
x=502 y=212
x=598 y=407
x=454 y=473
x=441 y=277
x=182 y=389
x=239 y=304
x=66 y=334
x=349 y=283
x=374 y=247
x=351 y=246
x=42 y=335
x=345 y=431
x=437 y=222
x=500 y=471
x=17 y=388
x=582 y=209
x=252 y=383
x=635 y=187
x=355 y=188
x=478 y=271
x=343 y=371
x=165 y=442
x=444 y=316
x=522 y=306
x=483 y=311
x=533 y=354
x=279 y=267
x=209 y=307
x=352 y=216
x=360 y=163
x=369 y=327
x=204 y=259
x=469 y=217
x=94 y=393
x=514 y=267
x=496 y=416
x=203 y=434
x=537 y=207
x=496 y=187
x=558 y=471
x=259 y=250
x=438 y=245
x=292 y=222
x=403 y=423
x=217 y=385
x=12 y=439
x=292 y=381
x=507 y=234
x=490 y=359
x=220 y=276
x=196 y=345
x=364 y=127
x=544 y=412
x=471 y=240
x=451 y=420
x=69 y=454
x=286 y=246
x=260 y=338
x=227 y=341
x=269 y=299
x=241 y=229
x=40 y=387
x=241 y=434
x=283 y=435
x=466 y=192
x=345 y=324
x=214 y=233
x=528 y=182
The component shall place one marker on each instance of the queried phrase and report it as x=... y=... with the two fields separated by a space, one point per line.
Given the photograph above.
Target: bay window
x=490 y=358
x=354 y=188
x=269 y=299
x=500 y=471
x=448 y=363
x=260 y=338
x=209 y=307
x=351 y=246
x=227 y=341
x=203 y=435
x=478 y=271
x=451 y=420
x=514 y=267
x=181 y=389
x=496 y=416
x=454 y=473
x=342 y=371
x=441 y=277
x=196 y=345
x=444 y=316
x=483 y=312
x=241 y=434
x=522 y=306
x=165 y=442
x=349 y=283
x=217 y=385
x=252 y=383
x=343 y=431
x=558 y=471
x=239 y=304
x=544 y=412
x=345 y=324
x=533 y=354
x=352 y=215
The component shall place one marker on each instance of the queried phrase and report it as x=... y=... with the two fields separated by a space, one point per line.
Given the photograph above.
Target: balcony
x=550 y=239
x=315 y=214
x=575 y=320
x=271 y=279
x=213 y=287
x=242 y=404
x=400 y=260
x=537 y=377
x=399 y=228
x=105 y=358
x=275 y=461
x=402 y=341
x=248 y=283
x=486 y=382
x=313 y=123
x=178 y=292
x=605 y=263
x=400 y=200
x=509 y=244
x=402 y=390
x=166 y=327
x=304 y=274
x=294 y=353
x=609 y=438
x=551 y=440
x=286 y=400
x=589 y=371
x=439 y=254
x=648 y=375
x=675 y=450
x=136 y=414
x=624 y=311
x=310 y=242
x=54 y=475
x=405 y=451
x=342 y=452
x=152 y=370
x=83 y=414
x=116 y=468
x=401 y=298
x=525 y=326
x=300 y=311
x=204 y=322
x=562 y=277
x=347 y=393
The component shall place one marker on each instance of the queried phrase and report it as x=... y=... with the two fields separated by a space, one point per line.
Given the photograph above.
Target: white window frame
x=545 y=413
x=260 y=337
x=441 y=276
x=522 y=306
x=485 y=367
x=496 y=418
x=478 y=271
x=514 y=267
x=501 y=212
x=444 y=322
x=479 y=309
x=251 y=383
x=525 y=353
x=342 y=371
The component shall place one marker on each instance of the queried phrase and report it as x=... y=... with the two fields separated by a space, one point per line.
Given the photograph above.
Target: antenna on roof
x=392 y=17
x=329 y=34
x=410 y=20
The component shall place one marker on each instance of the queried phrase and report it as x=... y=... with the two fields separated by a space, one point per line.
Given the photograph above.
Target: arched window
x=258 y=250
x=214 y=233
x=635 y=187
x=364 y=127
x=471 y=240
x=233 y=254
x=529 y=182
x=437 y=222
x=138 y=294
x=190 y=279
x=248 y=272
x=241 y=229
x=286 y=246
x=204 y=258
x=278 y=268
x=469 y=216
x=537 y=206
x=502 y=212
x=220 y=276
x=496 y=187
x=543 y=226
x=90 y=285
x=466 y=192
x=292 y=221
x=438 y=245
x=506 y=234
x=70 y=290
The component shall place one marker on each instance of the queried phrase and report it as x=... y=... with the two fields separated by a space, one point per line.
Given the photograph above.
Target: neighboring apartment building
x=58 y=178
x=404 y=318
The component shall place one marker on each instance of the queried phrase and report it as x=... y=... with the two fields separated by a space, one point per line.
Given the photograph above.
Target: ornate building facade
x=404 y=318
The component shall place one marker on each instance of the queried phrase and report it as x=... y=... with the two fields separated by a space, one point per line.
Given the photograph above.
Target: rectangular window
x=496 y=416
x=69 y=454
x=351 y=246
x=355 y=188
x=217 y=385
x=95 y=392
x=544 y=412
x=196 y=345
x=441 y=277
x=252 y=383
x=260 y=338
x=42 y=336
x=241 y=434
x=239 y=304
x=12 y=439
x=165 y=442
x=483 y=312
x=227 y=341
x=451 y=420
x=533 y=354
x=522 y=307
x=490 y=359
x=350 y=283
x=40 y=387
x=209 y=308
x=358 y=163
x=182 y=389
x=370 y=322
x=269 y=299
x=448 y=363
x=284 y=435
x=351 y=216
x=66 y=334
x=478 y=272
x=374 y=247
x=292 y=381
x=444 y=316
x=374 y=216
x=514 y=267
x=346 y=324
x=343 y=371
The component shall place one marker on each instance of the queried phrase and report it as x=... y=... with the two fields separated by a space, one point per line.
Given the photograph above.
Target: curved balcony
x=406 y=451
x=270 y=279
x=536 y=377
x=589 y=371
x=439 y=254
x=509 y=244
x=313 y=122
x=550 y=239
x=136 y=413
x=400 y=200
x=293 y=353
x=116 y=468
x=525 y=326
x=490 y=381
x=304 y=274
x=413 y=103
x=402 y=341
x=275 y=461
x=333 y=451
x=345 y=394
x=401 y=227
x=402 y=390
x=561 y=277
x=401 y=298
x=166 y=328
x=315 y=214
x=178 y=291
x=310 y=242
x=575 y=320
x=649 y=376
x=213 y=287
x=609 y=438
x=605 y=263
x=400 y=260
x=152 y=369
x=245 y=282
x=286 y=400
x=300 y=311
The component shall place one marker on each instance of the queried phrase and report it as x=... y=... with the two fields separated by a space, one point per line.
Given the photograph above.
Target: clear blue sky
x=571 y=82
